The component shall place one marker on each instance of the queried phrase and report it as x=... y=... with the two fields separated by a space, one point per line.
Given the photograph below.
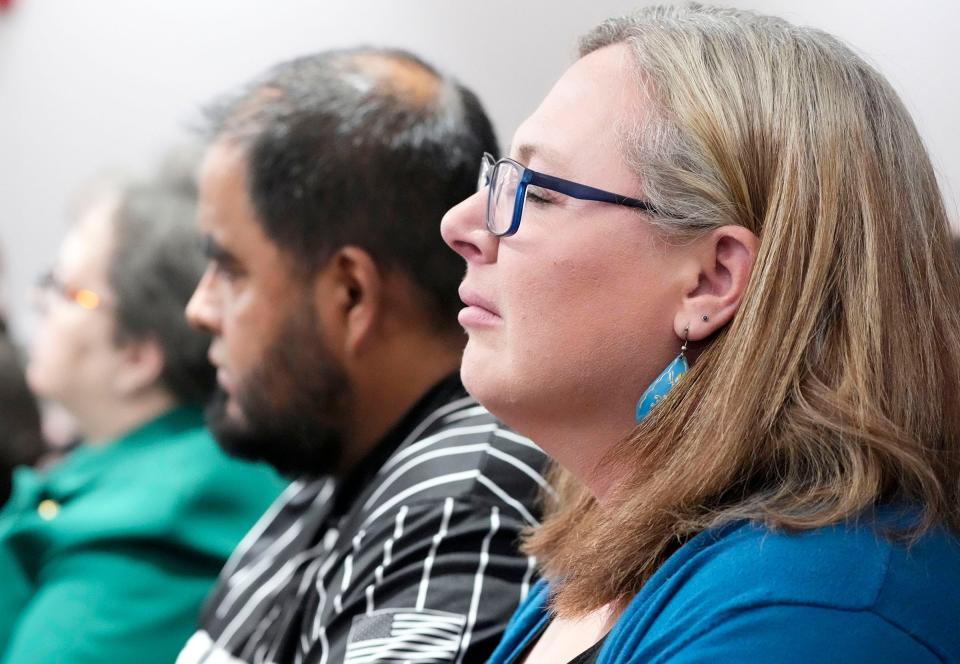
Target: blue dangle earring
x=666 y=380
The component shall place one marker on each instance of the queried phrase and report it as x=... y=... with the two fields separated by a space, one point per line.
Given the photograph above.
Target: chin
x=477 y=374
x=523 y=399
x=491 y=385
x=233 y=412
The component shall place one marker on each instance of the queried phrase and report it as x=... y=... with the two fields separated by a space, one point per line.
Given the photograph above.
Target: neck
x=580 y=440
x=106 y=423
x=581 y=449
x=388 y=384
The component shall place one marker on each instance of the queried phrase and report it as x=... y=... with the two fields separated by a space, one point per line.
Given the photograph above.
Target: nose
x=203 y=309
x=464 y=230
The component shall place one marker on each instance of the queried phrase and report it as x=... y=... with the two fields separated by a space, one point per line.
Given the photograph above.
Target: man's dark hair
x=156 y=264
x=364 y=147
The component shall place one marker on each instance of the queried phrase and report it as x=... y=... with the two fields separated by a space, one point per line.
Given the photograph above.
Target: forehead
x=576 y=130
x=228 y=219
x=87 y=247
x=223 y=189
x=225 y=211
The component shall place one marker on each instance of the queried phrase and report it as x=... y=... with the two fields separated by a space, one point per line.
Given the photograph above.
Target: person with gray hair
x=107 y=556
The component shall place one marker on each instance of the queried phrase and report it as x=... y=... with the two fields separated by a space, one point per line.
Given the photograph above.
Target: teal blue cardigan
x=743 y=593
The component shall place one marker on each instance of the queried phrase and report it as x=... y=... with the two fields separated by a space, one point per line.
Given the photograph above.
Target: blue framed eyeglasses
x=509 y=185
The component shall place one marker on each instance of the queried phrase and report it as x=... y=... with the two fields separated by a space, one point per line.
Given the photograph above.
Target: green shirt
x=108 y=556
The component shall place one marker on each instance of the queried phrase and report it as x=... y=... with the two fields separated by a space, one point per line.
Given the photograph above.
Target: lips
x=213 y=356
x=473 y=299
x=479 y=312
x=223 y=379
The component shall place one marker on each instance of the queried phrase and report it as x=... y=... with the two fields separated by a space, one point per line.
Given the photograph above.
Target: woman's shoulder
x=175 y=467
x=187 y=481
x=174 y=482
x=848 y=565
x=851 y=579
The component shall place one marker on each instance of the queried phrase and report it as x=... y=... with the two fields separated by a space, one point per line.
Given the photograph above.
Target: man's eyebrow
x=215 y=252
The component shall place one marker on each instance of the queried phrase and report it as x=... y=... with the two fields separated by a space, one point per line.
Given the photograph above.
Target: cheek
x=60 y=353
x=51 y=349
x=579 y=321
x=573 y=303
x=574 y=331
x=250 y=321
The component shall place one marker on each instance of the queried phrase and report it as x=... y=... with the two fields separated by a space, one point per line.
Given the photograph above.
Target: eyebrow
x=216 y=252
x=552 y=159
x=525 y=151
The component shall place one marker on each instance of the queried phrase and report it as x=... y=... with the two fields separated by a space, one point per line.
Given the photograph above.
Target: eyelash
x=539 y=196
x=227 y=270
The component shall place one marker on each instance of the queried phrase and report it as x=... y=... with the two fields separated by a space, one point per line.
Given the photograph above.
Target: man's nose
x=203 y=310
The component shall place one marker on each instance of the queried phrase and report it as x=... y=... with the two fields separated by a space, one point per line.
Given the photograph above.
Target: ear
x=140 y=368
x=348 y=294
x=723 y=262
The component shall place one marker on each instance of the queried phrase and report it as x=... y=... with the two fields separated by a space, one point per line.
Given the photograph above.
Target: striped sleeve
x=437 y=587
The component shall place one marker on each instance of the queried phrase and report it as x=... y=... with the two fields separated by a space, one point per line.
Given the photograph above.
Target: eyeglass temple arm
x=584 y=192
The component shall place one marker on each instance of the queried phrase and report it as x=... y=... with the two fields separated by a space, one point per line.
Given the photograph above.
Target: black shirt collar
x=351 y=485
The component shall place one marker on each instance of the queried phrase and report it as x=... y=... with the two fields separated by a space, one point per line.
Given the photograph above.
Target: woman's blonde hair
x=835 y=387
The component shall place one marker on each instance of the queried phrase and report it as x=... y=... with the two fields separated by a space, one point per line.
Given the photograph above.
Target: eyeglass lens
x=503 y=193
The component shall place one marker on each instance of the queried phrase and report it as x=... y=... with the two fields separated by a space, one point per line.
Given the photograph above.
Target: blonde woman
x=721 y=191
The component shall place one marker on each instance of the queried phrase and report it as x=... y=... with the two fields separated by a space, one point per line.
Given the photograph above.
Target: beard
x=294 y=404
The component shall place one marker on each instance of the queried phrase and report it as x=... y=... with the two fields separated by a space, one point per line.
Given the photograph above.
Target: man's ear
x=141 y=366
x=724 y=261
x=348 y=294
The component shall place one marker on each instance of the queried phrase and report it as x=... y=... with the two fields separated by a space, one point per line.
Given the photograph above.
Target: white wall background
x=101 y=85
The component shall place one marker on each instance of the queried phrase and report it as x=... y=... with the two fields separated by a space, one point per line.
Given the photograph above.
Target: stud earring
x=665 y=381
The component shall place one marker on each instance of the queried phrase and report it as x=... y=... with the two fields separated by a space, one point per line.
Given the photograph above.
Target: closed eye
x=223 y=262
x=541 y=196
x=228 y=269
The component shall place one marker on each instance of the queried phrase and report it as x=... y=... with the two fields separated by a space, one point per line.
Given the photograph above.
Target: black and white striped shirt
x=413 y=558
